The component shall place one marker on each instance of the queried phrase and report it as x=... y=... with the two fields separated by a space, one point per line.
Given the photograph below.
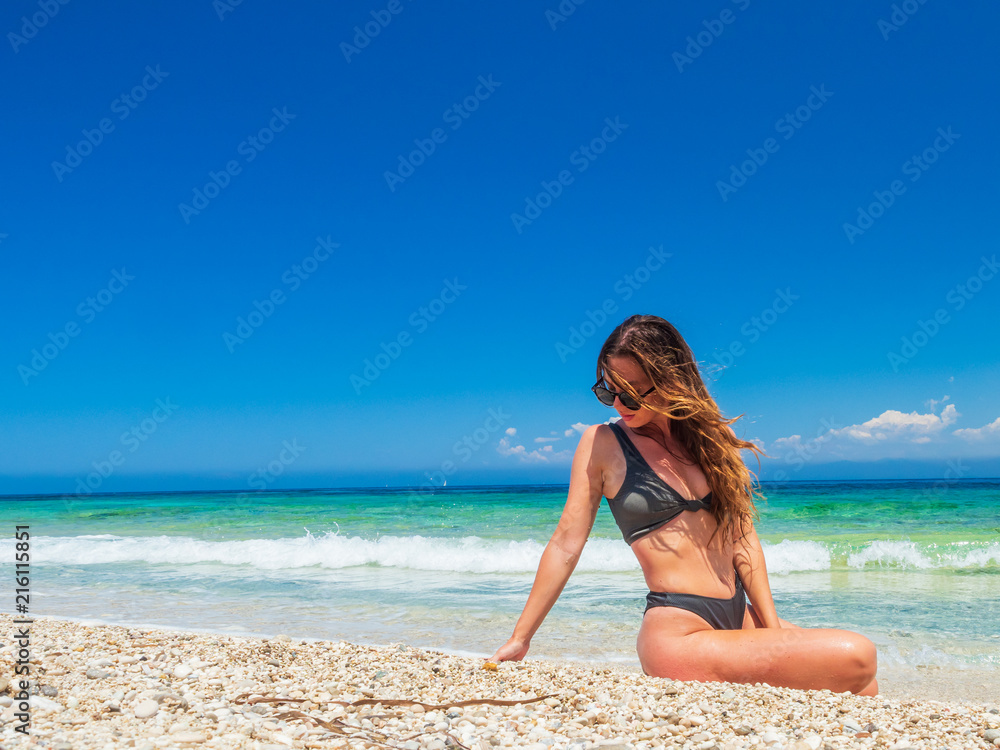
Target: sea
x=913 y=565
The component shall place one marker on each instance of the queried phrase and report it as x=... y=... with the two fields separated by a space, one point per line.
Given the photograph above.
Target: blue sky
x=216 y=217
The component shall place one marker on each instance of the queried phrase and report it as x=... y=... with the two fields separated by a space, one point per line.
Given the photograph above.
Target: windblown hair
x=697 y=425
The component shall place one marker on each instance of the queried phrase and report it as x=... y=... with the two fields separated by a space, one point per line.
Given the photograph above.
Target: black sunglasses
x=607 y=397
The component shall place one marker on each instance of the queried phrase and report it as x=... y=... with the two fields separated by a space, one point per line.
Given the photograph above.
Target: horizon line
x=432 y=488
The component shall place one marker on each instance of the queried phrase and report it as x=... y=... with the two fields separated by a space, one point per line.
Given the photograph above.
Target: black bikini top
x=645 y=502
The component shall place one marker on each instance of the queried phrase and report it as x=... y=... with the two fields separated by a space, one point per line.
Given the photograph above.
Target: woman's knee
x=862 y=659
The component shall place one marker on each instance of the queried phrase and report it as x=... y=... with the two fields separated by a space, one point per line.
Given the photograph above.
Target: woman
x=683 y=499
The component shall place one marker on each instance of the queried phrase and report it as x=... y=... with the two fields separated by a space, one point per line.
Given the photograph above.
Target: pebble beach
x=106 y=686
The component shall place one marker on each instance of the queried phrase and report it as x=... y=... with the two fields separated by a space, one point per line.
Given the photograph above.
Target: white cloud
x=931 y=403
x=544 y=455
x=509 y=446
x=980 y=433
x=896 y=426
x=891 y=434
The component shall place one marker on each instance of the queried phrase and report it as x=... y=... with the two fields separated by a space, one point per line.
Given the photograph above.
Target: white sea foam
x=790 y=557
x=890 y=554
x=905 y=554
x=469 y=554
x=460 y=554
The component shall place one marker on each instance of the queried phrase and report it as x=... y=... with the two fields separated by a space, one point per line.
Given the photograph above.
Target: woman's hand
x=512 y=650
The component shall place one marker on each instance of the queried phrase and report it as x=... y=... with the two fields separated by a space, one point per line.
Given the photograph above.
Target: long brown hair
x=696 y=422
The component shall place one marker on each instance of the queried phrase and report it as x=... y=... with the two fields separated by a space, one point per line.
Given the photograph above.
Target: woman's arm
x=586 y=487
x=748 y=559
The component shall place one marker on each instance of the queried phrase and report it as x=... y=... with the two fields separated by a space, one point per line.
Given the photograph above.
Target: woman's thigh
x=805 y=658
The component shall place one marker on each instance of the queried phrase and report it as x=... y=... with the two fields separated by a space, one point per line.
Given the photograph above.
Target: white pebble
x=146 y=708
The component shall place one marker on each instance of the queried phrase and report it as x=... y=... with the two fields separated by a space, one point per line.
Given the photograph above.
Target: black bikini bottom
x=721 y=614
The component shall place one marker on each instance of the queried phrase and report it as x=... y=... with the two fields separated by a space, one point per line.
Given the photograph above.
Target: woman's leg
x=680 y=645
x=752 y=621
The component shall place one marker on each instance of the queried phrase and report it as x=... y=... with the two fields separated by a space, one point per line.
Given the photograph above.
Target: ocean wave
x=472 y=554
x=909 y=555
x=794 y=556
x=458 y=554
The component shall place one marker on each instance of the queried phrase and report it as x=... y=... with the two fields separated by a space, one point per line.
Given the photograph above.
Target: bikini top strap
x=628 y=447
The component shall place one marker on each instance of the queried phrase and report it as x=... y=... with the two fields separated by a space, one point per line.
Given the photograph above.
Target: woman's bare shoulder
x=599 y=441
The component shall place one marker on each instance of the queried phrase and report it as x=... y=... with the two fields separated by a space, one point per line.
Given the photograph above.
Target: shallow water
x=914 y=566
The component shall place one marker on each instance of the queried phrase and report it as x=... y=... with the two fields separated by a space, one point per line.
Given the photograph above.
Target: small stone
x=188 y=737
x=42 y=703
x=97 y=674
x=146 y=708
x=771 y=738
x=727 y=696
x=851 y=725
x=182 y=670
x=4 y=682
x=991 y=734
x=743 y=730
x=48 y=690
x=869 y=727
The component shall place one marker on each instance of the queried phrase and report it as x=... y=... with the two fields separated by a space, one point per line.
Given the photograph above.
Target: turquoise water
x=913 y=565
